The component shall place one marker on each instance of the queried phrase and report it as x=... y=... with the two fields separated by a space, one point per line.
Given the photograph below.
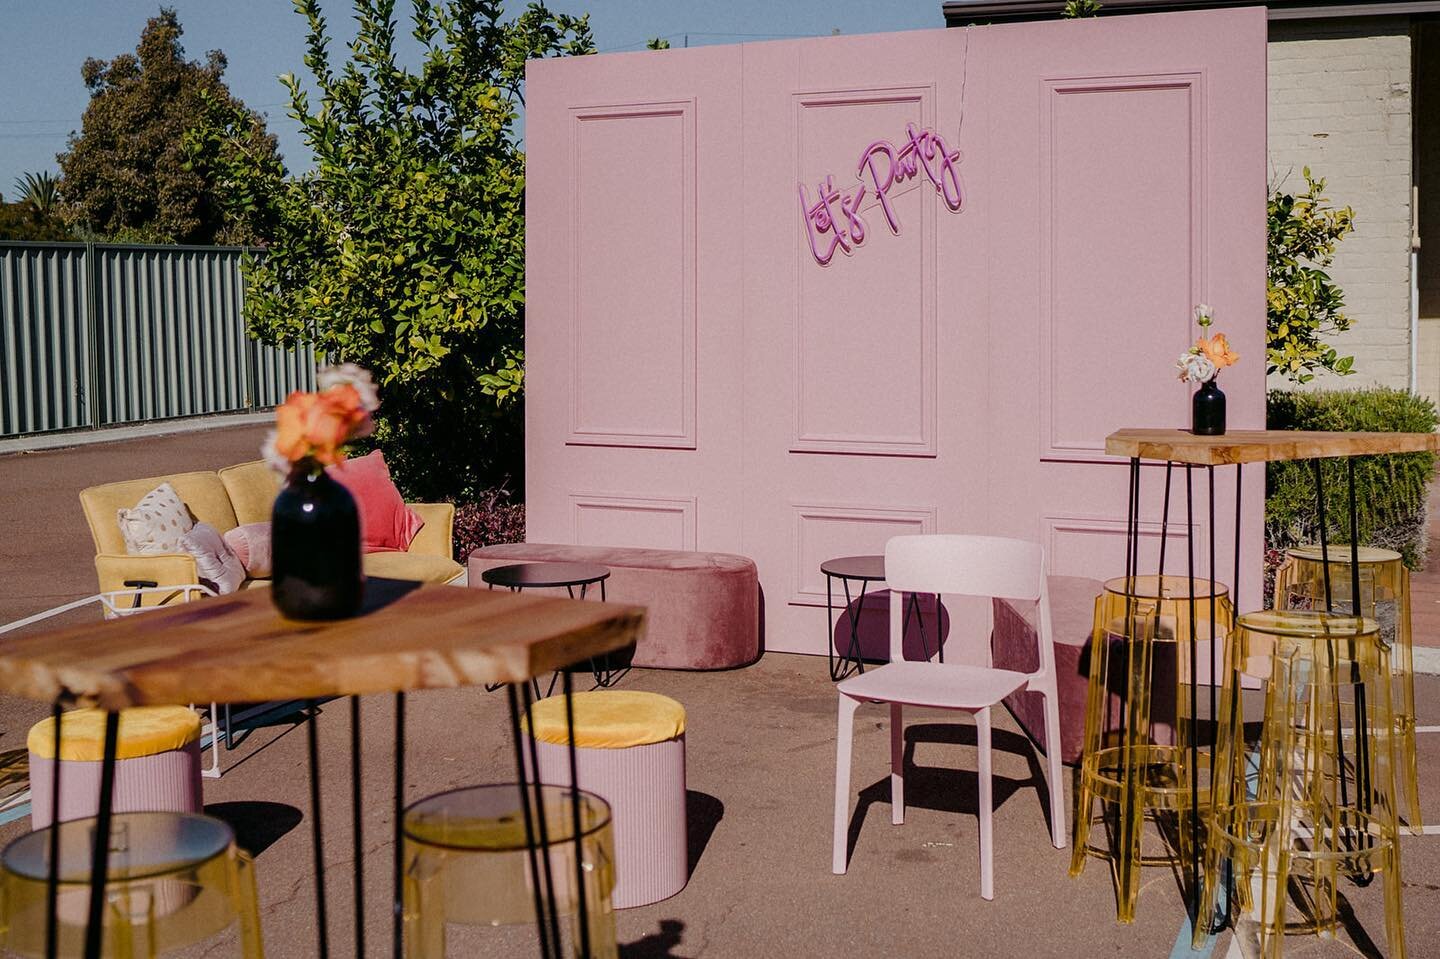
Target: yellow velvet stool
x=157 y=766
x=629 y=751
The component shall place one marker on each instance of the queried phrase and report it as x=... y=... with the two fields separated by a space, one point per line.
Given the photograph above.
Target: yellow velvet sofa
x=232 y=497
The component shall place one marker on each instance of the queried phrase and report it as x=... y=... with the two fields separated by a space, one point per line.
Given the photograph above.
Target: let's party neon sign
x=835 y=221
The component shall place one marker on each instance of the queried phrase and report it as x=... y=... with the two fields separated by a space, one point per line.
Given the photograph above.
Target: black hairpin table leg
x=542 y=822
x=397 y=908
x=357 y=836
x=100 y=853
x=52 y=883
x=582 y=907
x=317 y=832
x=521 y=777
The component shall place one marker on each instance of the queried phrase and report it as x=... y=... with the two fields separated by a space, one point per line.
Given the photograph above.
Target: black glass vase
x=1207 y=411
x=315 y=537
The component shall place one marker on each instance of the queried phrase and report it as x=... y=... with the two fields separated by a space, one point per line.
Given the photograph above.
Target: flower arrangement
x=1210 y=354
x=316 y=427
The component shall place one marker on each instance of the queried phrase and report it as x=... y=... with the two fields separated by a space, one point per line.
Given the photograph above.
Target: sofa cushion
x=386 y=523
x=251 y=545
x=423 y=567
x=156 y=524
x=219 y=568
x=252 y=488
x=202 y=493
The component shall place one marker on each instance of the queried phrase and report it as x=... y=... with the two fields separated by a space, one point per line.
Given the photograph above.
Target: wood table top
x=1260 y=446
x=238 y=648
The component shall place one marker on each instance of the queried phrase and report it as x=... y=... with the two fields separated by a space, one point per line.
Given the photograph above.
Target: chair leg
x=844 y=734
x=897 y=764
x=987 y=839
x=1052 y=759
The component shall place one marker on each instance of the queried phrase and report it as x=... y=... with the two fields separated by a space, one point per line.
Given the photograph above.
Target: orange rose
x=1217 y=351
x=318 y=425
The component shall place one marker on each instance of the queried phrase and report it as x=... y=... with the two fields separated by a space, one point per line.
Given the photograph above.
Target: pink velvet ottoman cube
x=1072 y=615
x=703 y=608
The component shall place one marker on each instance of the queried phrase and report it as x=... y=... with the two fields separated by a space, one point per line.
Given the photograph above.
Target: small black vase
x=315 y=538
x=1207 y=411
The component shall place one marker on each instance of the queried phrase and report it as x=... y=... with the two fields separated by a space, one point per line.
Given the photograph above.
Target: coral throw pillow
x=251 y=543
x=387 y=525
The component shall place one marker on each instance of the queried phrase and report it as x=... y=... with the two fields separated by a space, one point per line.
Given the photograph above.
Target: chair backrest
x=987 y=566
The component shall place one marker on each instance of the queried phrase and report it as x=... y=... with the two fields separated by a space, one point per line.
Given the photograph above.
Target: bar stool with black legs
x=1294 y=807
x=1385 y=598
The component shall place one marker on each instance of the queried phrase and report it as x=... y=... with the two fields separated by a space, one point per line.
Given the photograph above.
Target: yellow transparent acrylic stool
x=466 y=861
x=1310 y=798
x=1137 y=761
x=1385 y=598
x=175 y=880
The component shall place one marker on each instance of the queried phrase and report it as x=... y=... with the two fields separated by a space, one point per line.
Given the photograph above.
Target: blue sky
x=44 y=42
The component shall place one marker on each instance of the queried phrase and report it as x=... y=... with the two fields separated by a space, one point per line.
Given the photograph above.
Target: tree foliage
x=1303 y=303
x=125 y=175
x=19 y=221
x=1075 y=9
x=404 y=249
x=40 y=190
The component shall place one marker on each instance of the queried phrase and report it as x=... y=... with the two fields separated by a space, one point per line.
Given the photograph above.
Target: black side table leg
x=582 y=906
x=100 y=852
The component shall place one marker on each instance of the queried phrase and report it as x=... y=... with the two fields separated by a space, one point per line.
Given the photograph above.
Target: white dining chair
x=984 y=566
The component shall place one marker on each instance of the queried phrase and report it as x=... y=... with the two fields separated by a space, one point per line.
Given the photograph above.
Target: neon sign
x=834 y=221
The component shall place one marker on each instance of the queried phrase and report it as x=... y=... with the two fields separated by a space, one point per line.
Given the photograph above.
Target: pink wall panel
x=958 y=373
x=637 y=297
x=891 y=313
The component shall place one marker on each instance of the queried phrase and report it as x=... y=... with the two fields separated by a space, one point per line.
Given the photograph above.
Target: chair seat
x=943 y=685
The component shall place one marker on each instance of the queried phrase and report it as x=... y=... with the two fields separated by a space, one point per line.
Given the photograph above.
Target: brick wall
x=1340 y=103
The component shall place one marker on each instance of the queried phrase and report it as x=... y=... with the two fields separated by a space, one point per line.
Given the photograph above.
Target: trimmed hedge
x=1390 y=490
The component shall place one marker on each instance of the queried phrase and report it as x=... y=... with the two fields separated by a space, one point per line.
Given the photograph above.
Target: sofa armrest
x=436 y=537
x=163 y=569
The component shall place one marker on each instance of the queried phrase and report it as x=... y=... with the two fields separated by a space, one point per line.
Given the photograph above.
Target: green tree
x=124 y=174
x=1303 y=303
x=404 y=249
x=19 y=221
x=1075 y=9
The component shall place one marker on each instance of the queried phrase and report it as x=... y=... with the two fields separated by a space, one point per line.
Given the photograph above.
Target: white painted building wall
x=1340 y=102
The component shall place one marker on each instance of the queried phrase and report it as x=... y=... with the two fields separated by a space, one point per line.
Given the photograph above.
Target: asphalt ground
x=760 y=757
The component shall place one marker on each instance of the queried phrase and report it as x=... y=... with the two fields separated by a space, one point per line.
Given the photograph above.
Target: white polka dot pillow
x=156 y=523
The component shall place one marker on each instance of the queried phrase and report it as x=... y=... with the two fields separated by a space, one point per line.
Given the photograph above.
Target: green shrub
x=1390 y=490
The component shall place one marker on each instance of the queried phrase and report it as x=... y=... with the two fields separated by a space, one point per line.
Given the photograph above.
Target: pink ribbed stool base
x=165 y=782
x=645 y=787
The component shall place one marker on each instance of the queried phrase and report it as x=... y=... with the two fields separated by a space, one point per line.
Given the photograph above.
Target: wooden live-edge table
x=238 y=648
x=1234 y=448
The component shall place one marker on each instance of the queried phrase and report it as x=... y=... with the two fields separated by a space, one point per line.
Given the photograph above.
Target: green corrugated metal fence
x=97 y=334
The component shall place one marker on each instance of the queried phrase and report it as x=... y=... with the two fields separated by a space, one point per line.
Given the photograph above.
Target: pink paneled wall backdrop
x=790 y=299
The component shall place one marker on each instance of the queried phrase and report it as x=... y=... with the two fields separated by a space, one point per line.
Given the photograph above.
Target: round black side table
x=517 y=576
x=864 y=570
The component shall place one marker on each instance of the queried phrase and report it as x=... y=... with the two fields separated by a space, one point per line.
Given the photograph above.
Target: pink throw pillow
x=251 y=543
x=387 y=525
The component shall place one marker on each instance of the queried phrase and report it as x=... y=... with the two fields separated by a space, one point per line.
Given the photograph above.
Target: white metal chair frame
x=982 y=566
x=128 y=602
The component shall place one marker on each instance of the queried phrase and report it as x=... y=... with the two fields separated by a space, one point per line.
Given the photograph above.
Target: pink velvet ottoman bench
x=704 y=608
x=1013 y=645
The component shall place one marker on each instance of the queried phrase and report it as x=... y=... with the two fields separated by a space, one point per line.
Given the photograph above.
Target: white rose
x=1195 y=368
x=1204 y=314
x=356 y=376
x=272 y=456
